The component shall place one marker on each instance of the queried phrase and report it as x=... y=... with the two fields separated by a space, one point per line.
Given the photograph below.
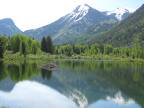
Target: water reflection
x=19 y=72
x=28 y=94
x=87 y=84
x=111 y=104
x=46 y=74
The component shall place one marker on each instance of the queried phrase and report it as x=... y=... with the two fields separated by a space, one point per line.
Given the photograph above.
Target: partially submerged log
x=50 y=66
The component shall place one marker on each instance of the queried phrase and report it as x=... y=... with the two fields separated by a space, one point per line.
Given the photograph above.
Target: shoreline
x=48 y=57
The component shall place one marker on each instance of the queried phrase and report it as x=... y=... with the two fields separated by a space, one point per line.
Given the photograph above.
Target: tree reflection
x=94 y=80
x=25 y=71
x=46 y=74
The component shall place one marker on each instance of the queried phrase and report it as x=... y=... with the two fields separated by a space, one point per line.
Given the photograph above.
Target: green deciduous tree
x=34 y=47
x=23 y=44
x=23 y=48
x=108 y=49
x=137 y=49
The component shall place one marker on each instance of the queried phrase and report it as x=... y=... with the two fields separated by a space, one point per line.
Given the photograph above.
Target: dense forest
x=24 y=46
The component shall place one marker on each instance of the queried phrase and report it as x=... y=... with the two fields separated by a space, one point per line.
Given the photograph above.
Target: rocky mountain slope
x=8 y=27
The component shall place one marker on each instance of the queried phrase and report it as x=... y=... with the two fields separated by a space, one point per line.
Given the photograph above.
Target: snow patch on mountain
x=119 y=12
x=79 y=12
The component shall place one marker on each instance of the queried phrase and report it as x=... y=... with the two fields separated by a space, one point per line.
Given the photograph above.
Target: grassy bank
x=17 y=57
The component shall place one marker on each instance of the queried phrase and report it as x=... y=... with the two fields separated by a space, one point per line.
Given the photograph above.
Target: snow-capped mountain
x=73 y=25
x=77 y=26
x=79 y=12
x=119 y=13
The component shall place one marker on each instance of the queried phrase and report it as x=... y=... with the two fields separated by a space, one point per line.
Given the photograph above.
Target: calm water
x=74 y=84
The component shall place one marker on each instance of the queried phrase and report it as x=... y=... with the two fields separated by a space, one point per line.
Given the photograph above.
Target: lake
x=73 y=84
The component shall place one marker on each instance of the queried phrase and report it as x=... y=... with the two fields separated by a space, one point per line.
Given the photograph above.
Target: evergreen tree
x=49 y=45
x=1 y=50
x=43 y=44
x=15 y=43
x=3 y=42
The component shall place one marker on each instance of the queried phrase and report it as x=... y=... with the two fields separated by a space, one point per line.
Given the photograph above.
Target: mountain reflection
x=28 y=94
x=88 y=84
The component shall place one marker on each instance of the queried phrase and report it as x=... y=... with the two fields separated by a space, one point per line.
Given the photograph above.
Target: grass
x=17 y=57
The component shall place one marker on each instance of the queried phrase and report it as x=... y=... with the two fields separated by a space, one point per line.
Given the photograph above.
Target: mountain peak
x=82 y=8
x=8 y=27
x=119 y=13
x=79 y=12
x=85 y=5
x=8 y=21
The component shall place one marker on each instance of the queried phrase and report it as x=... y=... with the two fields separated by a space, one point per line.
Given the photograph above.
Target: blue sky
x=113 y=4
x=30 y=14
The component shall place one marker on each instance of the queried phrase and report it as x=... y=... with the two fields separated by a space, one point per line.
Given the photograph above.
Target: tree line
x=136 y=50
x=26 y=45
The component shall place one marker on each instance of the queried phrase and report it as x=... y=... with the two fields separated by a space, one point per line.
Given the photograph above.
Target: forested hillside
x=124 y=33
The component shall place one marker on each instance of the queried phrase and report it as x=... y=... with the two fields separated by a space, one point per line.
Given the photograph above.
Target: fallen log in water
x=50 y=66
